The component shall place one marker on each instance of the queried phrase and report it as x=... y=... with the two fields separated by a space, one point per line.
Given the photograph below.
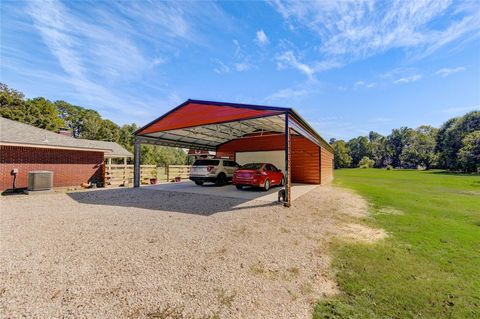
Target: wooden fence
x=122 y=174
x=174 y=171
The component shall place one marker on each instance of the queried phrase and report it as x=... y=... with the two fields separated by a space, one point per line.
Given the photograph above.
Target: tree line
x=454 y=146
x=83 y=123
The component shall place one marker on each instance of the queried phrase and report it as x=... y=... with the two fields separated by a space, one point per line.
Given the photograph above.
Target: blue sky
x=348 y=67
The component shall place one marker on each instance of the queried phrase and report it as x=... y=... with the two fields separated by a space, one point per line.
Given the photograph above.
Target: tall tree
x=84 y=123
x=419 y=150
x=396 y=141
x=10 y=98
x=38 y=112
x=72 y=116
x=126 y=137
x=341 y=157
x=43 y=113
x=469 y=154
x=378 y=149
x=359 y=147
x=450 y=138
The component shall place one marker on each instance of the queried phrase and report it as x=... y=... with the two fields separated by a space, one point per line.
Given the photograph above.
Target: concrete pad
x=231 y=191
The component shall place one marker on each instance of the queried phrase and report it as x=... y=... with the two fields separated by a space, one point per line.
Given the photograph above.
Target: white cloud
x=359 y=83
x=288 y=59
x=241 y=59
x=408 y=79
x=110 y=55
x=355 y=29
x=287 y=94
x=243 y=66
x=165 y=22
x=103 y=49
x=364 y=84
x=261 y=38
x=238 y=48
x=81 y=47
x=158 y=61
x=221 y=67
x=447 y=71
x=106 y=46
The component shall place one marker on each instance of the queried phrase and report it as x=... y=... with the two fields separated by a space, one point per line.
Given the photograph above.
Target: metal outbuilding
x=249 y=132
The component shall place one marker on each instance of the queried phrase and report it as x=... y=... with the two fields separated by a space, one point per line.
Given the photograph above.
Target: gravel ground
x=140 y=253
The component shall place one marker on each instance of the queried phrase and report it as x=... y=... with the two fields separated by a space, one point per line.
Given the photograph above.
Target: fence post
x=136 y=164
x=109 y=162
x=125 y=177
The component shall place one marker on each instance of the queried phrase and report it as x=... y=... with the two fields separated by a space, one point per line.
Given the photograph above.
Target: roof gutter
x=307 y=126
x=56 y=147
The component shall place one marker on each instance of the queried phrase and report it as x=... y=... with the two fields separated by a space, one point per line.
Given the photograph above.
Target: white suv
x=215 y=170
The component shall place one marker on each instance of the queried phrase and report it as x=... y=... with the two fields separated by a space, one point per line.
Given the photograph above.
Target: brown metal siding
x=305 y=161
x=305 y=154
x=252 y=144
x=326 y=166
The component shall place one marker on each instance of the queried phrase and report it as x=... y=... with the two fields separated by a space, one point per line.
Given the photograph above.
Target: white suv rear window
x=206 y=162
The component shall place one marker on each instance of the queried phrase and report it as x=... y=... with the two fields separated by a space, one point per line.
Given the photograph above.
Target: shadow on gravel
x=198 y=204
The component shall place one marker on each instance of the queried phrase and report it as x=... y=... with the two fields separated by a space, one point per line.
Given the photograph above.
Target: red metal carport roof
x=207 y=124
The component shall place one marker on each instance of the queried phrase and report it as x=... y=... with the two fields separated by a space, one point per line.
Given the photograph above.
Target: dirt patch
x=150 y=254
x=387 y=210
x=362 y=233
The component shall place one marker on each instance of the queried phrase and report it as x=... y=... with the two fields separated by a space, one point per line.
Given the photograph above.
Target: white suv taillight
x=211 y=169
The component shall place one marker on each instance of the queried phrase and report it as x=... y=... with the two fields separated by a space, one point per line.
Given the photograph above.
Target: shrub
x=366 y=162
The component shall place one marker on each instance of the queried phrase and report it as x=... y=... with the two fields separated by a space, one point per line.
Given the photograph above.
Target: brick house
x=73 y=161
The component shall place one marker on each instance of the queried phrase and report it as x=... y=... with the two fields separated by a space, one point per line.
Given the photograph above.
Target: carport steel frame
x=293 y=123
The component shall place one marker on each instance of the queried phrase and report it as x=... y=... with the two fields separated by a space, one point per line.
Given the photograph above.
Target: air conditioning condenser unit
x=40 y=180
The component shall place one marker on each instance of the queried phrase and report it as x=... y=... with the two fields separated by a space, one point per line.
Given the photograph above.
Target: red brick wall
x=326 y=166
x=69 y=167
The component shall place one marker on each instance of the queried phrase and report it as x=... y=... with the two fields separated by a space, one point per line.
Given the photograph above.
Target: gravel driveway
x=141 y=253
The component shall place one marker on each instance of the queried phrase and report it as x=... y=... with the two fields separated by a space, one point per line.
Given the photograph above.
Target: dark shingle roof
x=13 y=132
x=116 y=150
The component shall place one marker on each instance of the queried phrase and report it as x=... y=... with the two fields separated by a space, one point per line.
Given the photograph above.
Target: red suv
x=258 y=175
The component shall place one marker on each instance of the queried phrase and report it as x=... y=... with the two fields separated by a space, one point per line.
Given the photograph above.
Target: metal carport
x=208 y=125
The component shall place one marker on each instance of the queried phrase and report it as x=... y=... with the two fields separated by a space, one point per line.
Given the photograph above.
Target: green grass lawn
x=429 y=266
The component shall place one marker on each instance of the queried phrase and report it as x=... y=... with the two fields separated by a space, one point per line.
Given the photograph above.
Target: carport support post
x=287 y=200
x=136 y=163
